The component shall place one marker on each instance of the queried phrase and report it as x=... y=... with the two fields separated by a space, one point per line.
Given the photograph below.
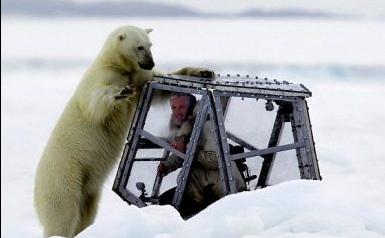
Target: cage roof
x=237 y=84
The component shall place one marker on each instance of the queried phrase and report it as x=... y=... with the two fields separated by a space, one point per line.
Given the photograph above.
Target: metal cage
x=215 y=98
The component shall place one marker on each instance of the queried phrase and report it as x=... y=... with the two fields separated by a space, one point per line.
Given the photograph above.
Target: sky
x=365 y=7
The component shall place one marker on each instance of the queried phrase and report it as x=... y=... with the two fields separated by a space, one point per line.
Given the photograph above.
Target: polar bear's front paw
x=206 y=73
x=202 y=73
x=127 y=91
x=196 y=72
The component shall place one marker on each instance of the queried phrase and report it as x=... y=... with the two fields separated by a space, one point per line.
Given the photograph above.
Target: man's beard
x=178 y=121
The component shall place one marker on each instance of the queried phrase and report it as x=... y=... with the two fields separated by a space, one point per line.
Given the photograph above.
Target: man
x=180 y=127
x=204 y=184
x=182 y=119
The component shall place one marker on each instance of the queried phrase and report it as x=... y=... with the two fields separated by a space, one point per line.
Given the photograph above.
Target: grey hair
x=191 y=100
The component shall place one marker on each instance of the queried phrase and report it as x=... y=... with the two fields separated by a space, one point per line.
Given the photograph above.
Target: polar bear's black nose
x=149 y=64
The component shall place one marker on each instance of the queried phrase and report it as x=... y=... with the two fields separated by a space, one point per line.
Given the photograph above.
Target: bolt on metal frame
x=216 y=96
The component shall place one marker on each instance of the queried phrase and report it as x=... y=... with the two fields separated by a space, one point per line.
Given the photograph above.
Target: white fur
x=89 y=136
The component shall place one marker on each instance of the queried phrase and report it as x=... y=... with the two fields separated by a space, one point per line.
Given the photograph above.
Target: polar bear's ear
x=121 y=36
x=148 y=30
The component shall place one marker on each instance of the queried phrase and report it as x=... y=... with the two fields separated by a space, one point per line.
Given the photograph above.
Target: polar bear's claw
x=207 y=74
x=127 y=91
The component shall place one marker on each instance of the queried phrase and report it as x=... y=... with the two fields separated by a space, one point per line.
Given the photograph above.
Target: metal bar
x=174 y=88
x=161 y=143
x=133 y=144
x=263 y=91
x=190 y=151
x=195 y=87
x=217 y=141
x=261 y=86
x=257 y=95
x=267 y=151
x=225 y=102
x=224 y=144
x=156 y=186
x=275 y=137
x=158 y=179
x=143 y=96
x=295 y=137
x=303 y=86
x=240 y=141
x=309 y=141
x=297 y=126
x=123 y=161
x=182 y=81
x=118 y=177
x=149 y=159
x=243 y=143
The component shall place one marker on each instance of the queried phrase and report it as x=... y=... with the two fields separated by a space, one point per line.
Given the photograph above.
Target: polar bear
x=91 y=132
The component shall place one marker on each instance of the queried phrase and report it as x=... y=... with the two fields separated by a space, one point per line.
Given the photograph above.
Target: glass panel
x=287 y=134
x=174 y=107
x=149 y=153
x=144 y=172
x=285 y=168
x=169 y=181
x=249 y=120
x=158 y=116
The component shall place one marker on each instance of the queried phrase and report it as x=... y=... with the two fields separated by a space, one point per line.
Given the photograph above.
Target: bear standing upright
x=91 y=132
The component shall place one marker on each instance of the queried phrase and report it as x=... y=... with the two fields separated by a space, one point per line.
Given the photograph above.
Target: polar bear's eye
x=140 y=48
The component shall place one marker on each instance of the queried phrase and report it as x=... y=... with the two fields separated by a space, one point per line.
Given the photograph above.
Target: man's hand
x=162 y=169
x=179 y=146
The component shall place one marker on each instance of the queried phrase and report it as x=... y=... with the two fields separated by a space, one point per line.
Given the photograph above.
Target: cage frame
x=216 y=95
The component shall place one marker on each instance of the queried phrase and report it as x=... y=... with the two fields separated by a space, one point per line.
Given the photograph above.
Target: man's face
x=179 y=107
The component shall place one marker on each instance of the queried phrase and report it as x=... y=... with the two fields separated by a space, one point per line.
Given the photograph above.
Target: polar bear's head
x=131 y=45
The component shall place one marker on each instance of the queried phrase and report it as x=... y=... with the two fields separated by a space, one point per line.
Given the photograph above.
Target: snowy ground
x=343 y=64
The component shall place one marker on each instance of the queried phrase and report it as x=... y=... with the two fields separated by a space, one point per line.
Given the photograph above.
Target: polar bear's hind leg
x=88 y=210
x=64 y=219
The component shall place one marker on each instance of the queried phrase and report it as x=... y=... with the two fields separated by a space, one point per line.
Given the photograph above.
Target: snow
x=341 y=62
x=292 y=209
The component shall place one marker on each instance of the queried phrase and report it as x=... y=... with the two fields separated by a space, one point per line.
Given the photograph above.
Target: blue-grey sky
x=362 y=7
